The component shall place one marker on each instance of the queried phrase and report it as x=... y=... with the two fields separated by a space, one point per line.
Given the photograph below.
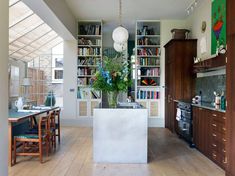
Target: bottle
x=223 y=102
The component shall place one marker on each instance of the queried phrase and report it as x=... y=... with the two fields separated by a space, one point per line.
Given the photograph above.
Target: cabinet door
x=83 y=111
x=196 y=127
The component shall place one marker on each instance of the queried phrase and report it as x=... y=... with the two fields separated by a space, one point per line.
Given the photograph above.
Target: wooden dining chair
x=57 y=115
x=32 y=144
x=52 y=131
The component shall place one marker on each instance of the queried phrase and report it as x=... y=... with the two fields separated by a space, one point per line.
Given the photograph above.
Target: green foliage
x=112 y=76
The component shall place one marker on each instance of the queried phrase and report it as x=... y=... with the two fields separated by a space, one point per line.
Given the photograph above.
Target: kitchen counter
x=120 y=134
x=209 y=106
x=205 y=105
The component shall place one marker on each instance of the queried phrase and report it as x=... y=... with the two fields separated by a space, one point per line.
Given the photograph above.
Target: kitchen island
x=120 y=135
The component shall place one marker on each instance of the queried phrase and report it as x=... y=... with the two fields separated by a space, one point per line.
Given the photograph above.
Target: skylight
x=29 y=36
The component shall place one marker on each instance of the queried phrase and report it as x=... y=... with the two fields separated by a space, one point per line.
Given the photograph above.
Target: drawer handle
x=224 y=151
x=214 y=145
x=224 y=118
x=224 y=140
x=225 y=160
x=214 y=125
x=224 y=129
x=214 y=115
x=214 y=135
x=214 y=155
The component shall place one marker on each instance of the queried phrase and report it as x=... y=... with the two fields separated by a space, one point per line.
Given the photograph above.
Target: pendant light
x=120 y=34
x=119 y=47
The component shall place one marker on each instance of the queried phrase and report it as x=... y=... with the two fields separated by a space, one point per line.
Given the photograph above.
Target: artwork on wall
x=218 y=33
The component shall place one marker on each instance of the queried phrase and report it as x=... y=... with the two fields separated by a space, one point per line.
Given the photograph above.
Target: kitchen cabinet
x=209 y=134
x=179 y=76
x=230 y=87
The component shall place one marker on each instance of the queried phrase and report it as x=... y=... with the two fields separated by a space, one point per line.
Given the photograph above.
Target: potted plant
x=112 y=78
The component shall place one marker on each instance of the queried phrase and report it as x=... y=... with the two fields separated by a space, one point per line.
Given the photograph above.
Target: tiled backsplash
x=207 y=85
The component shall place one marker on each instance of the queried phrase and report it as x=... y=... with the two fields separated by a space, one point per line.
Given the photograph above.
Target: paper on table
x=42 y=107
x=27 y=110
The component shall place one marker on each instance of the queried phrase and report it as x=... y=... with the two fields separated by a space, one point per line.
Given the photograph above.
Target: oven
x=185 y=123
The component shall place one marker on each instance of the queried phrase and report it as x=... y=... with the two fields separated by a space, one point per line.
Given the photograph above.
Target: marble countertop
x=205 y=105
x=209 y=106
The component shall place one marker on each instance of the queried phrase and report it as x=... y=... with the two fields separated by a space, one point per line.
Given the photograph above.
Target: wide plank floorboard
x=168 y=156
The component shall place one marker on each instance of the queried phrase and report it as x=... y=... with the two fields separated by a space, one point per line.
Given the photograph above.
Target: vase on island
x=112 y=99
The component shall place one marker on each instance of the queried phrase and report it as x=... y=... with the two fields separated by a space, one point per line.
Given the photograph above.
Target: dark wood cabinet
x=230 y=87
x=209 y=133
x=179 y=76
x=201 y=129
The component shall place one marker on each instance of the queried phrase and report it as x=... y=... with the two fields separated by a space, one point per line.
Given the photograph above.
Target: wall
x=207 y=85
x=4 y=17
x=70 y=80
x=201 y=13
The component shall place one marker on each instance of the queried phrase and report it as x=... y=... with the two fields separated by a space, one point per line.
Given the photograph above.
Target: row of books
x=148 y=51
x=84 y=94
x=149 y=72
x=145 y=30
x=90 y=29
x=148 y=61
x=86 y=71
x=88 y=61
x=88 y=51
x=142 y=94
x=83 y=81
x=85 y=41
x=146 y=41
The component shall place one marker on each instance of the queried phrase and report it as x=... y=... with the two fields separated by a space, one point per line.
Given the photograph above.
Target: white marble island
x=120 y=135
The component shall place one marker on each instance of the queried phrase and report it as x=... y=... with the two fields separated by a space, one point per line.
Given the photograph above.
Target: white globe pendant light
x=120 y=34
x=120 y=47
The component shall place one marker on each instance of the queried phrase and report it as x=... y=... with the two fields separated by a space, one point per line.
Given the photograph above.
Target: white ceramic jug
x=19 y=103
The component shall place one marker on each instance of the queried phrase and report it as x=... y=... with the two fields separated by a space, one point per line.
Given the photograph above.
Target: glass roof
x=29 y=36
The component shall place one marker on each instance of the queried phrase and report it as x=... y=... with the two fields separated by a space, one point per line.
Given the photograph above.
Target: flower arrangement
x=112 y=78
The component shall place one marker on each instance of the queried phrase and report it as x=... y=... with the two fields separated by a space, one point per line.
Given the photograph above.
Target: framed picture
x=218 y=21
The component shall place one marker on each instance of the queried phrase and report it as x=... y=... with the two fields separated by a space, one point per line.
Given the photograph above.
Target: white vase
x=19 y=103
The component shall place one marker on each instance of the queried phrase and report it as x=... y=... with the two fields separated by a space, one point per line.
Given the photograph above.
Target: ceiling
x=132 y=10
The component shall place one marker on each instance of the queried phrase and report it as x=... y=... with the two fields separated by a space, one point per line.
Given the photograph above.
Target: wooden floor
x=168 y=156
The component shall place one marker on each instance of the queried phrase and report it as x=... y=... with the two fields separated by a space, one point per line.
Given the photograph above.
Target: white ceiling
x=132 y=10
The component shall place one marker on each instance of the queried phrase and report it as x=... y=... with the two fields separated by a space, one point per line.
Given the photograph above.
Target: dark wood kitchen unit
x=179 y=76
x=230 y=88
x=209 y=134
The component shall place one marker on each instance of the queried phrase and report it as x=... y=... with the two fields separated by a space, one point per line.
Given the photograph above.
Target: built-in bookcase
x=89 y=56
x=148 y=72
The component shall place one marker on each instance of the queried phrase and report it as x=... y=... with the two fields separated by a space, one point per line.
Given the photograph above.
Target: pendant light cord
x=120 y=12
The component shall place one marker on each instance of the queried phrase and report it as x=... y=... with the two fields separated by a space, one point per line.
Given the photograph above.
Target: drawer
x=218 y=147
x=221 y=160
x=217 y=136
x=218 y=127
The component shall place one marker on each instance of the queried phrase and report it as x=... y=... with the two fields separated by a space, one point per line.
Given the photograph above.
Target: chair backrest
x=52 y=120
x=43 y=126
x=57 y=112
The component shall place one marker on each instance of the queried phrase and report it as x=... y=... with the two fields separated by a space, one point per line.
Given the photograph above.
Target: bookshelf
x=148 y=72
x=89 y=54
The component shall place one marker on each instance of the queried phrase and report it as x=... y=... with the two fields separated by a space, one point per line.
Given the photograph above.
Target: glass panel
x=24 y=26
x=11 y=2
x=18 y=12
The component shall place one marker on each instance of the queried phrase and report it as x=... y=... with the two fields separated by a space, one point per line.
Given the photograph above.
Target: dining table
x=16 y=117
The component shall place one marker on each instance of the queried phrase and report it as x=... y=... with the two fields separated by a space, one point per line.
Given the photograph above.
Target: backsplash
x=207 y=85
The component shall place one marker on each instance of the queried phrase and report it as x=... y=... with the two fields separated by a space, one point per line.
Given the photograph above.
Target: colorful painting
x=218 y=33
